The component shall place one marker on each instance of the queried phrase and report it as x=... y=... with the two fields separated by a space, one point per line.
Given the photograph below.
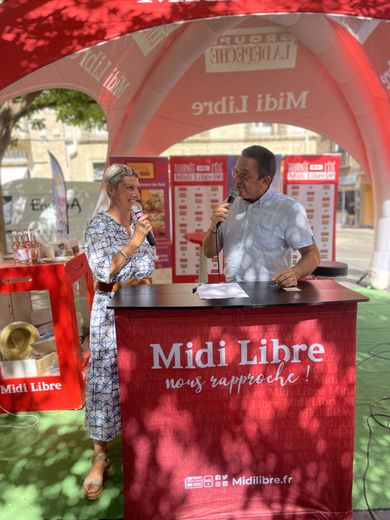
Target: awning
x=10 y=173
x=348 y=180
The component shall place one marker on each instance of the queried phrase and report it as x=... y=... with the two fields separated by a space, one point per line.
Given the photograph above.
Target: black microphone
x=232 y=195
x=233 y=192
x=138 y=212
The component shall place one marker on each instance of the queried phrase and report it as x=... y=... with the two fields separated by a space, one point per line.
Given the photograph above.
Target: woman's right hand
x=142 y=228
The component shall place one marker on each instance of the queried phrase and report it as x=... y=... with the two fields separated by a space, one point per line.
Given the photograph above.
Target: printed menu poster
x=312 y=180
x=199 y=183
x=153 y=178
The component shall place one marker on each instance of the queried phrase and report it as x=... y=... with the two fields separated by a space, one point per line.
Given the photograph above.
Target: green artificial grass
x=372 y=385
x=42 y=468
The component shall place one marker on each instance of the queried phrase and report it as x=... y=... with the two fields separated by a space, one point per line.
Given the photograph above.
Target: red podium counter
x=50 y=392
x=237 y=408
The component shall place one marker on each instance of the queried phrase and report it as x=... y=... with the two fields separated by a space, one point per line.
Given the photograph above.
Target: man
x=261 y=228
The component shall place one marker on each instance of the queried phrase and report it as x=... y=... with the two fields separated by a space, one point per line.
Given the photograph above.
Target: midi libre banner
x=313 y=180
x=198 y=184
x=239 y=413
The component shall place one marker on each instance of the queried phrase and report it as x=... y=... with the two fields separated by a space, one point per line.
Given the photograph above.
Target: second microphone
x=138 y=212
x=233 y=193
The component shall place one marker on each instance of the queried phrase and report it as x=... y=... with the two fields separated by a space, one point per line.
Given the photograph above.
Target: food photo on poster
x=155 y=200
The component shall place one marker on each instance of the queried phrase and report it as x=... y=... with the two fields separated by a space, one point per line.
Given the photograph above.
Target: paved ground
x=355 y=247
x=378 y=514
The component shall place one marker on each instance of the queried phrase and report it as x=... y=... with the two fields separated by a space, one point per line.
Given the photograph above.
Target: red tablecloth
x=238 y=413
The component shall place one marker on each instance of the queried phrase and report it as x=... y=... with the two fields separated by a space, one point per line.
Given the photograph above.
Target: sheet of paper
x=291 y=289
x=210 y=291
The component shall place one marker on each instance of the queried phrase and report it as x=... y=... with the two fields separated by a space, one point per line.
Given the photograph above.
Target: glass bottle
x=21 y=250
x=27 y=242
x=34 y=247
x=15 y=247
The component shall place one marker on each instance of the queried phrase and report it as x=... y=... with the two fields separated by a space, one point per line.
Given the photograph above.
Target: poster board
x=313 y=181
x=154 y=182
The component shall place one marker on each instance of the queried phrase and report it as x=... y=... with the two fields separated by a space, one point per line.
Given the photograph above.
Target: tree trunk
x=2 y=227
x=10 y=113
x=6 y=126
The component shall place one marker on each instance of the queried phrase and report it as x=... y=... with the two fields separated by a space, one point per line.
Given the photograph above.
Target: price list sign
x=198 y=184
x=313 y=180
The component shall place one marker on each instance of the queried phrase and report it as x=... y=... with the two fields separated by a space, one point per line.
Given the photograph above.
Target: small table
x=197 y=238
x=331 y=269
x=64 y=391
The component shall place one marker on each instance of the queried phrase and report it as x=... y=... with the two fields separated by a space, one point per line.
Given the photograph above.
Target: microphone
x=233 y=192
x=232 y=195
x=138 y=212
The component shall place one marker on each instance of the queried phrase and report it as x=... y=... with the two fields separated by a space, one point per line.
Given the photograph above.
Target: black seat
x=331 y=269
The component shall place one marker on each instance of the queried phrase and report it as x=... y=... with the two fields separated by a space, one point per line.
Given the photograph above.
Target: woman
x=117 y=251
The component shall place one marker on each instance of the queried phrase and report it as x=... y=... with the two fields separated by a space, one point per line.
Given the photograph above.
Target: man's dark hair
x=266 y=162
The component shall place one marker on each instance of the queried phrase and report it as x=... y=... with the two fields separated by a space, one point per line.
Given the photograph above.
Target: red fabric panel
x=281 y=447
x=38 y=32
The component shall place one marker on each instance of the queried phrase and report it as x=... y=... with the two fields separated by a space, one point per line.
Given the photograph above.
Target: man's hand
x=211 y=246
x=286 y=278
x=220 y=213
x=310 y=259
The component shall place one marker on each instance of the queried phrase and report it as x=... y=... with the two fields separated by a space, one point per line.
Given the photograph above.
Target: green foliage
x=72 y=107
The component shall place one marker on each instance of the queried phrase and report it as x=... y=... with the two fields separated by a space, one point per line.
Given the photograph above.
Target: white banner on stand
x=313 y=180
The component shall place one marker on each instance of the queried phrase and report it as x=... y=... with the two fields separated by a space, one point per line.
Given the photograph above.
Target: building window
x=263 y=128
x=97 y=170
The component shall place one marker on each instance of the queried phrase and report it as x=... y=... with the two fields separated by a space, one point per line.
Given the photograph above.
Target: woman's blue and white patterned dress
x=103 y=238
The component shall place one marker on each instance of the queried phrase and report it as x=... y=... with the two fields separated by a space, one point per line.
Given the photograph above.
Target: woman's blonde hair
x=115 y=173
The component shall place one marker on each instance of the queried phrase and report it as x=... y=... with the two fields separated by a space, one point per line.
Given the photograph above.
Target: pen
x=194 y=289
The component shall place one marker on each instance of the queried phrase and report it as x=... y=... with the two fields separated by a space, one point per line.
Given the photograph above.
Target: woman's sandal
x=93 y=495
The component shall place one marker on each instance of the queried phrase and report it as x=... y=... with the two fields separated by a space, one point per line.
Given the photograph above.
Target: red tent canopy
x=37 y=32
